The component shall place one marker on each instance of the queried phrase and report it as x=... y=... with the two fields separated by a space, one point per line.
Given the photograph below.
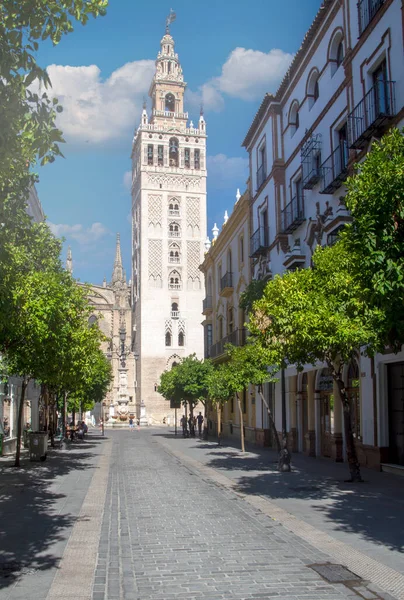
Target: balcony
x=175 y=314
x=259 y=242
x=366 y=11
x=372 y=114
x=261 y=176
x=226 y=284
x=175 y=286
x=292 y=215
x=312 y=178
x=207 y=305
x=236 y=337
x=334 y=169
x=174 y=260
x=174 y=234
x=170 y=114
x=174 y=213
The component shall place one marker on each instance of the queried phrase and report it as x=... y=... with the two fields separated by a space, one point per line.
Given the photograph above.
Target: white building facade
x=168 y=233
x=344 y=89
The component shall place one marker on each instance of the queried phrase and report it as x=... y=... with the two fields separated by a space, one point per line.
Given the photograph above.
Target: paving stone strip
x=367 y=568
x=74 y=578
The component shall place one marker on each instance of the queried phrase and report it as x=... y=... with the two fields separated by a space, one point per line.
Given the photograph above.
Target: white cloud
x=97 y=111
x=83 y=235
x=225 y=172
x=127 y=180
x=247 y=74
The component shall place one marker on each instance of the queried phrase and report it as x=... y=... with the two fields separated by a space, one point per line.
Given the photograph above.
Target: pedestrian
x=85 y=427
x=102 y=426
x=131 y=424
x=200 y=423
x=191 y=426
x=184 y=425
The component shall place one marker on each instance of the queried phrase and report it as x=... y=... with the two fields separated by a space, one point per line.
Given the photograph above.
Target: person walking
x=200 y=423
x=131 y=424
x=183 y=423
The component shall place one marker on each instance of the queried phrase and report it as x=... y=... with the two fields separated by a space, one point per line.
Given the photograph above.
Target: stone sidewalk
x=366 y=520
x=40 y=506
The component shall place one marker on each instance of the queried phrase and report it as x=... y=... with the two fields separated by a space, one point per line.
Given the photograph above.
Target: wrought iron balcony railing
x=207 y=303
x=261 y=176
x=259 y=241
x=292 y=215
x=334 y=169
x=226 y=281
x=236 y=337
x=366 y=11
x=372 y=113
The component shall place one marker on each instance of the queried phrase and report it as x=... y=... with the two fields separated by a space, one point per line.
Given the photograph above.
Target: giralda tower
x=168 y=232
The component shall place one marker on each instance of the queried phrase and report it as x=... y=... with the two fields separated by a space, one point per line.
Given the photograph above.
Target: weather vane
x=170 y=19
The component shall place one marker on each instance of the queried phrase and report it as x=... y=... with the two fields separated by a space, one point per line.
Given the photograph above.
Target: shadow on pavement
x=30 y=508
x=373 y=509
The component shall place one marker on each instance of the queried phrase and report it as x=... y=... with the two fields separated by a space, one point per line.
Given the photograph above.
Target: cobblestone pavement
x=142 y=516
x=169 y=533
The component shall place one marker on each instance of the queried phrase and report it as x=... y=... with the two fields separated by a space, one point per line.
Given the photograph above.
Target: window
x=220 y=328
x=244 y=401
x=209 y=335
x=294 y=118
x=230 y=320
x=299 y=192
x=261 y=165
x=160 y=156
x=169 y=101
x=169 y=67
x=219 y=275
x=316 y=91
x=174 y=230
x=174 y=281
x=168 y=338
x=174 y=255
x=381 y=90
x=241 y=250
x=92 y=320
x=340 y=54
x=173 y=152
x=149 y=154
x=197 y=159
x=229 y=261
x=174 y=208
x=175 y=313
x=187 y=158
x=181 y=339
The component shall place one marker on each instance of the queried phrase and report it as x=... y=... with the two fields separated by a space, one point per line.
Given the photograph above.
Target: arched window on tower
x=170 y=99
x=168 y=338
x=175 y=313
x=173 y=152
x=174 y=281
x=181 y=339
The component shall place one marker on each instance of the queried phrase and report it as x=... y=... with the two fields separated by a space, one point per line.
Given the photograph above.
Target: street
x=143 y=515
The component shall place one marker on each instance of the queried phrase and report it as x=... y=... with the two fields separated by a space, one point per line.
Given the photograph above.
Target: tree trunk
x=272 y=422
x=240 y=410
x=19 y=421
x=64 y=415
x=74 y=416
x=351 y=454
x=219 y=424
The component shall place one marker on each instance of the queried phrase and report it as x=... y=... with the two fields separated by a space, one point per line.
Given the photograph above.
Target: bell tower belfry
x=168 y=232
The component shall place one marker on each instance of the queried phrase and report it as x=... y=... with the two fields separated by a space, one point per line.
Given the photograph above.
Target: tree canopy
x=375 y=238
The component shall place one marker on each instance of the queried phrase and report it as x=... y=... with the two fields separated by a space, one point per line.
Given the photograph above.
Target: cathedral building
x=112 y=310
x=168 y=233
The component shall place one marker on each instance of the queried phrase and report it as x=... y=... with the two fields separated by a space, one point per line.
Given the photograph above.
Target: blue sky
x=231 y=54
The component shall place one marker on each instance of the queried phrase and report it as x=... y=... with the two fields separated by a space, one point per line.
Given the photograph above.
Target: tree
x=187 y=382
x=375 y=238
x=319 y=315
x=28 y=132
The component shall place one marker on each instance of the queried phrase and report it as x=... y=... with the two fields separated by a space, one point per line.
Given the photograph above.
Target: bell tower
x=168 y=231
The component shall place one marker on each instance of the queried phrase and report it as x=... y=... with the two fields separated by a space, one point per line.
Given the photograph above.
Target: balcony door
x=342 y=157
x=381 y=90
x=264 y=228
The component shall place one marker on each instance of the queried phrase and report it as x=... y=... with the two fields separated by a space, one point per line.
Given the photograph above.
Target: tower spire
x=69 y=261
x=117 y=274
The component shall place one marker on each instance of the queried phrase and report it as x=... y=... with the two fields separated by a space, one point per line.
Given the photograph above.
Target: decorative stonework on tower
x=168 y=230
